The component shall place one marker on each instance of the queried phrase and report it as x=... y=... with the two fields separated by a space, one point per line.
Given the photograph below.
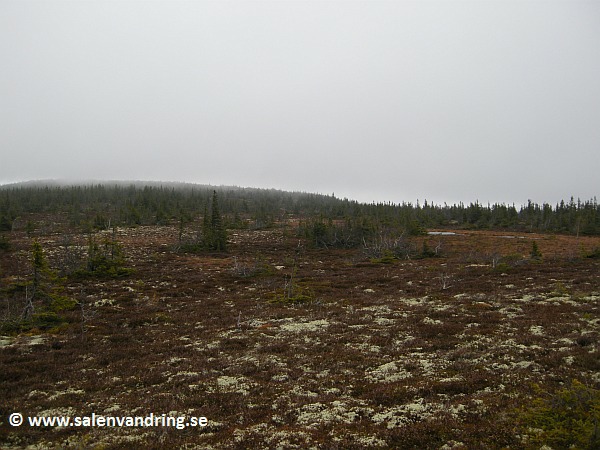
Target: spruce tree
x=206 y=230
x=45 y=286
x=218 y=229
x=215 y=235
x=535 y=251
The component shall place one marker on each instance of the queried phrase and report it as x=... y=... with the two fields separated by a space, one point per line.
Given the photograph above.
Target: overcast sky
x=496 y=101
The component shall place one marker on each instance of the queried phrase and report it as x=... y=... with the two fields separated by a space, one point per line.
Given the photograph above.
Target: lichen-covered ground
x=443 y=352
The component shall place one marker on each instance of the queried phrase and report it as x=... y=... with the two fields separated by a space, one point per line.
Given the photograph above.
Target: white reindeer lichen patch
x=273 y=437
x=377 y=309
x=113 y=408
x=387 y=373
x=238 y=385
x=364 y=347
x=69 y=391
x=36 y=340
x=398 y=416
x=369 y=441
x=298 y=327
x=536 y=330
x=183 y=374
x=429 y=321
x=104 y=302
x=68 y=411
x=384 y=321
x=315 y=414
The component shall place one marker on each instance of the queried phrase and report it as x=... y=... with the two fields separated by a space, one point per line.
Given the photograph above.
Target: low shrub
x=4 y=243
x=247 y=270
x=106 y=260
x=595 y=253
x=568 y=418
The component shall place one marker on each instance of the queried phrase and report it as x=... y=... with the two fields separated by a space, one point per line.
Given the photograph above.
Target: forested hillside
x=130 y=204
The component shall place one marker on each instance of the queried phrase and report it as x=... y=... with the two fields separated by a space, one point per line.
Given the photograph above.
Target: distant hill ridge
x=161 y=202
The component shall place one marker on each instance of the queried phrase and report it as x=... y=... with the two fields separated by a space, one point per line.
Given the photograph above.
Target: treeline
x=103 y=205
x=129 y=204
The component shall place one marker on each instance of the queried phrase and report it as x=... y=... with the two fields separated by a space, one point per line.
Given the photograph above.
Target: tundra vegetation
x=294 y=320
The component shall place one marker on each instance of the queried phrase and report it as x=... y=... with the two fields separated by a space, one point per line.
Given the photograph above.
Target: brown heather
x=434 y=353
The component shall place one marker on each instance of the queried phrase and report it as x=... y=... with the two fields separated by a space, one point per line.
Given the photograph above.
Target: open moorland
x=480 y=344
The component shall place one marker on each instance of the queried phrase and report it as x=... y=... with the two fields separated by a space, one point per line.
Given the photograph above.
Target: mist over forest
x=130 y=203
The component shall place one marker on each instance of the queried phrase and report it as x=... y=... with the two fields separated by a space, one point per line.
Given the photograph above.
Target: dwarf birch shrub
x=568 y=418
